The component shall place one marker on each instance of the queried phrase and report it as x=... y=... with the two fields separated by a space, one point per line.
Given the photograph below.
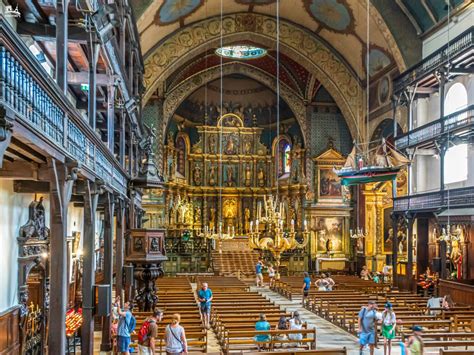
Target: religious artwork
x=329 y=234
x=154 y=245
x=334 y=15
x=197 y=175
x=247 y=145
x=261 y=177
x=212 y=175
x=172 y=11
x=378 y=60
x=329 y=184
x=246 y=220
x=212 y=218
x=229 y=212
x=402 y=243
x=181 y=156
x=230 y=175
x=230 y=145
x=197 y=215
x=248 y=175
x=212 y=143
x=387 y=231
x=35 y=228
x=138 y=244
x=384 y=90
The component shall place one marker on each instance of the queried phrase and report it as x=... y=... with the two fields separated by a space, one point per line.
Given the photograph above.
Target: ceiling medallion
x=241 y=52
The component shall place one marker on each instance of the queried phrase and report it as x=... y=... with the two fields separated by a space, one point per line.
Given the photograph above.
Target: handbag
x=178 y=339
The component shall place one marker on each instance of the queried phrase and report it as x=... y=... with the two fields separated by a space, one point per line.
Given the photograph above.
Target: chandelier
x=448 y=236
x=358 y=233
x=275 y=239
x=219 y=236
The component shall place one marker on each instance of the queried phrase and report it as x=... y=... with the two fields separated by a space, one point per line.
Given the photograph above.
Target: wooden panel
x=461 y=292
x=10 y=332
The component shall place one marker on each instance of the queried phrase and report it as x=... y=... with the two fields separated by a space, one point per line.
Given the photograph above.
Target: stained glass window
x=286 y=159
x=241 y=52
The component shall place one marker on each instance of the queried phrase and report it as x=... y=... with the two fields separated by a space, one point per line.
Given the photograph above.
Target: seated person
x=447 y=302
x=364 y=273
x=375 y=277
x=296 y=323
x=262 y=324
x=434 y=302
x=282 y=325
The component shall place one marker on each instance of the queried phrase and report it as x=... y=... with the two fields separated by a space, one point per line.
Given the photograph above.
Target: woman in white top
x=389 y=322
x=296 y=324
x=271 y=275
x=322 y=284
x=175 y=337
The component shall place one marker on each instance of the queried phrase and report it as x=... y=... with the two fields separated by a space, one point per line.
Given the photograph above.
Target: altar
x=324 y=264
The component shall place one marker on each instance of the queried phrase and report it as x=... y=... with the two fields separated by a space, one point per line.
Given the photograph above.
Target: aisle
x=327 y=334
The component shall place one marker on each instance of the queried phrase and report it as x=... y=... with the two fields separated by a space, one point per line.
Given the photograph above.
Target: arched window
x=283 y=155
x=286 y=159
x=456 y=99
x=455 y=160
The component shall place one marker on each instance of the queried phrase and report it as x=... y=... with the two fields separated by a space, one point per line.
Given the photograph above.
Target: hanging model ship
x=385 y=164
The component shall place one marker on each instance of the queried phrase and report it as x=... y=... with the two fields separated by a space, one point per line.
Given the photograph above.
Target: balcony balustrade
x=39 y=105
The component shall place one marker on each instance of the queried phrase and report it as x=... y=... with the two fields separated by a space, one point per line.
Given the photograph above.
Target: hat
x=417 y=328
x=388 y=305
x=371 y=302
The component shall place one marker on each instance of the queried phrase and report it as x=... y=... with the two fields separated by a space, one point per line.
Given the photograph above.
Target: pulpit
x=146 y=252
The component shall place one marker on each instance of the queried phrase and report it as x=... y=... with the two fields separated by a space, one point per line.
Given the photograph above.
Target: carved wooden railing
x=448 y=124
x=458 y=46
x=430 y=201
x=39 y=105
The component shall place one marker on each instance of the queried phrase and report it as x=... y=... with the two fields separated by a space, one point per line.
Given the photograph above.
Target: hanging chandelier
x=358 y=233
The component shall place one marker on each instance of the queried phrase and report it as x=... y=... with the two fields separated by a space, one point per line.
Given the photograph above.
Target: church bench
x=443 y=336
x=342 y=351
x=238 y=340
x=455 y=352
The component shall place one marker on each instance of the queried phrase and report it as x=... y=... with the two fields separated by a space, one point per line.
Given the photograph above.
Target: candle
x=251 y=226
x=305 y=224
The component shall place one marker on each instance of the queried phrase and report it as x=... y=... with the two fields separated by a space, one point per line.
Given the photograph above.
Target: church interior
x=304 y=160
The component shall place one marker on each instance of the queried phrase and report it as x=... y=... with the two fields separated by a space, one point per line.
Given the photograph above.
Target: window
x=456 y=99
x=455 y=164
x=286 y=159
x=241 y=52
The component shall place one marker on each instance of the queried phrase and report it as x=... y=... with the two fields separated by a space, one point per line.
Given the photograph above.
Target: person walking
x=258 y=272
x=415 y=341
x=306 y=286
x=389 y=323
x=367 y=326
x=175 y=337
x=126 y=326
x=149 y=333
x=205 y=299
x=271 y=275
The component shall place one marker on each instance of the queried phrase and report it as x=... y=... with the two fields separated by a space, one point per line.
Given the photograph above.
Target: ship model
x=362 y=168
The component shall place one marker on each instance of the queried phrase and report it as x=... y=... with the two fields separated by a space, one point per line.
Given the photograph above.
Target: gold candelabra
x=275 y=239
x=219 y=236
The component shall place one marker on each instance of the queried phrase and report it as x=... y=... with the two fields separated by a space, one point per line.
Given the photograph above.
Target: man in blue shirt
x=306 y=286
x=205 y=297
x=258 y=272
x=124 y=329
x=368 y=317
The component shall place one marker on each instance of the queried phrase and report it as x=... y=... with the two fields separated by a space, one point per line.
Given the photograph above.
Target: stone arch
x=298 y=43
x=179 y=93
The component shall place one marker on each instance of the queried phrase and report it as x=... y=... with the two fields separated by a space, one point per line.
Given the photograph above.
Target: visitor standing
x=271 y=275
x=148 y=333
x=258 y=272
x=330 y=282
x=175 y=337
x=126 y=326
x=367 y=326
x=262 y=325
x=306 y=286
x=415 y=342
x=389 y=323
x=205 y=299
x=321 y=283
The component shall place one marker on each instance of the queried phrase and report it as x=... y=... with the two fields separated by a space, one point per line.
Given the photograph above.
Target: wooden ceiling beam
x=19 y=170
x=46 y=32
x=27 y=151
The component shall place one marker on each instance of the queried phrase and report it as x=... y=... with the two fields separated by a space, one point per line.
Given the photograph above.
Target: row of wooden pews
x=235 y=310
x=175 y=295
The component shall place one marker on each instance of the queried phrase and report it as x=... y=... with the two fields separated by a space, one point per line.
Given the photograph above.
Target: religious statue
x=295 y=168
x=328 y=246
x=154 y=245
x=197 y=175
x=261 y=177
x=456 y=258
x=247 y=146
x=197 y=215
x=212 y=143
x=146 y=145
x=248 y=175
x=247 y=220
x=402 y=239
x=230 y=146
x=212 y=175
x=170 y=140
x=230 y=175
x=212 y=218
x=188 y=215
x=36 y=225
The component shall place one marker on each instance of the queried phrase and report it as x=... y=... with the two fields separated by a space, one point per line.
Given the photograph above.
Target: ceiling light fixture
x=241 y=52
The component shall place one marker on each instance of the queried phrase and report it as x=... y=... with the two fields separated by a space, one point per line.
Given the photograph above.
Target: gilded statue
x=248 y=175
x=261 y=177
x=197 y=175
x=212 y=218
x=230 y=175
x=212 y=175
x=230 y=146
x=188 y=215
x=247 y=219
x=212 y=143
x=456 y=257
x=197 y=215
x=247 y=146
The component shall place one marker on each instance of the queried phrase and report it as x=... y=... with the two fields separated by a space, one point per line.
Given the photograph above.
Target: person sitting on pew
x=296 y=324
x=282 y=325
x=434 y=302
x=205 y=299
x=306 y=286
x=366 y=326
x=389 y=322
x=262 y=325
x=414 y=343
x=364 y=273
x=321 y=283
x=447 y=302
x=175 y=337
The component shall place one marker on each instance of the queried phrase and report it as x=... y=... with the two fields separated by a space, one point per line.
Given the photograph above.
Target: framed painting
x=329 y=184
x=329 y=234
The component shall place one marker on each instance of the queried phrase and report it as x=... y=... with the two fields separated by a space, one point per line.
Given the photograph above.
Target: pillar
x=62 y=44
x=395 y=249
x=92 y=108
x=88 y=276
x=119 y=248
x=410 y=221
x=111 y=117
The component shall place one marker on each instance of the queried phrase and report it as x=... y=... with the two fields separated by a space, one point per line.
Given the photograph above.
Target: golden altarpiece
x=221 y=178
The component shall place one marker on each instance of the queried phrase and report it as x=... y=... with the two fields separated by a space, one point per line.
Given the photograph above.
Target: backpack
x=144 y=330
x=131 y=326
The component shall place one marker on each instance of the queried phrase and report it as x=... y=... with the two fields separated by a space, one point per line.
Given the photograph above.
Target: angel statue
x=147 y=143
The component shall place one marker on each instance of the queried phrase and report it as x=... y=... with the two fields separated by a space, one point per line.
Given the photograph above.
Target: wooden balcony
x=41 y=108
x=458 y=52
x=434 y=201
x=456 y=124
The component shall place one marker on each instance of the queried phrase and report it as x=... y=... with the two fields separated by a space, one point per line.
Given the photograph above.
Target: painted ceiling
x=340 y=23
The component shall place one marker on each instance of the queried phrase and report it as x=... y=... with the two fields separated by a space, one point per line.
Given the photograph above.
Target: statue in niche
x=261 y=177
x=456 y=258
x=197 y=175
x=247 y=145
x=247 y=219
x=212 y=218
x=36 y=226
x=248 y=175
x=154 y=245
x=402 y=239
x=295 y=169
x=230 y=145
x=188 y=215
x=138 y=244
x=230 y=176
x=212 y=175
x=170 y=140
x=197 y=215
x=212 y=143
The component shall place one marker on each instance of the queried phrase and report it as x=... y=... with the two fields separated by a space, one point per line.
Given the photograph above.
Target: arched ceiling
x=340 y=23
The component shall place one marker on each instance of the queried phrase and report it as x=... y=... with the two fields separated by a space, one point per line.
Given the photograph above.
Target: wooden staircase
x=234 y=262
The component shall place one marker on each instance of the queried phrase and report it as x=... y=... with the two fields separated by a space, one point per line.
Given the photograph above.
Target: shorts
x=205 y=308
x=305 y=293
x=367 y=338
x=144 y=350
x=260 y=276
x=123 y=344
